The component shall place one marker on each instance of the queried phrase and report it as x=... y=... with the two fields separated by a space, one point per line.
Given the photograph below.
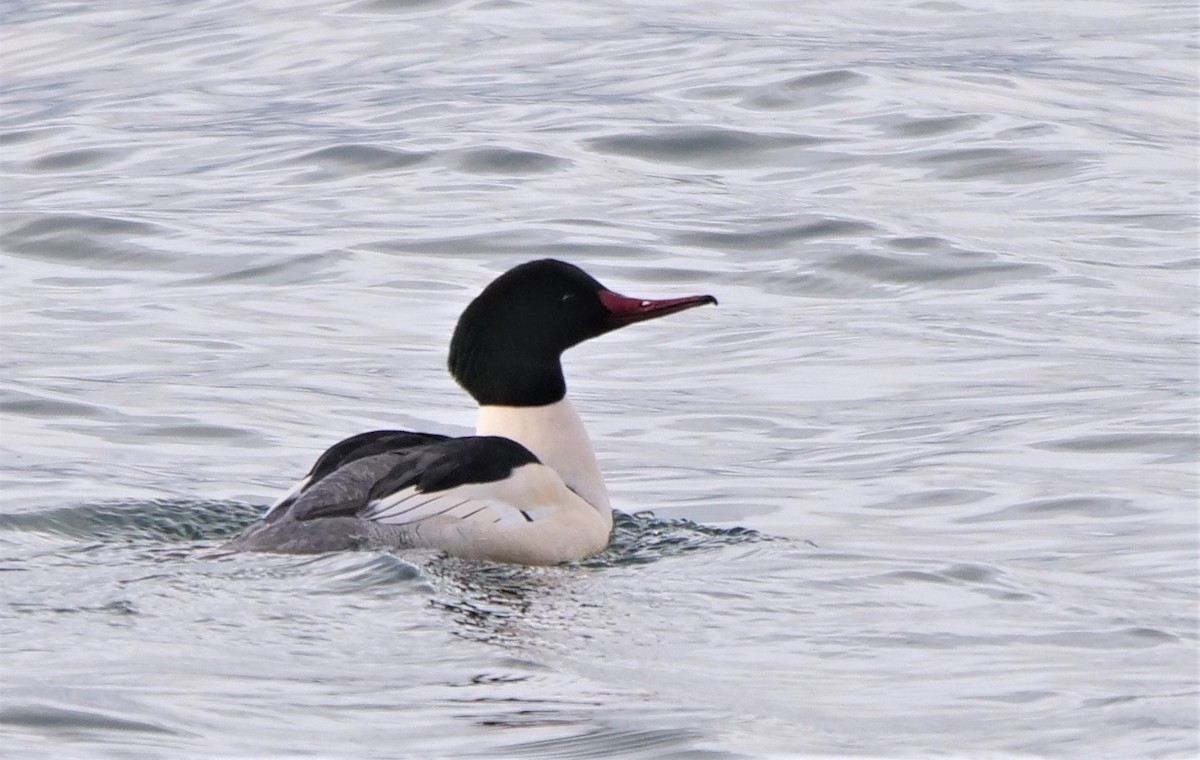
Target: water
x=924 y=483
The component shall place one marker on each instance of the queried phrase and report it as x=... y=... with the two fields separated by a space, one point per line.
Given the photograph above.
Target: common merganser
x=525 y=489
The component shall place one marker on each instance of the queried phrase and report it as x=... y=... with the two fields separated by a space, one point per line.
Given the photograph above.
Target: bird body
x=525 y=489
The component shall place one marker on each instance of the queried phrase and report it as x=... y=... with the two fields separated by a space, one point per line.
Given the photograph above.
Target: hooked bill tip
x=624 y=310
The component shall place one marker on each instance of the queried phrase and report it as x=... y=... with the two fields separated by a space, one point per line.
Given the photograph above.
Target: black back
x=365 y=445
x=352 y=449
x=431 y=466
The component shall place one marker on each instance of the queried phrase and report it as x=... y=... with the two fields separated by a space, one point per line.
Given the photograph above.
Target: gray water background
x=938 y=444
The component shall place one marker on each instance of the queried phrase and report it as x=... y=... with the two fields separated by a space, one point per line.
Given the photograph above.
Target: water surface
x=924 y=483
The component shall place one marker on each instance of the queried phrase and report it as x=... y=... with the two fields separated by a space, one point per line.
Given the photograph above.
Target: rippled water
x=926 y=482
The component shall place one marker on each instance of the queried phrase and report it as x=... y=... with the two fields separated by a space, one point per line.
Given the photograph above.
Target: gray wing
x=411 y=481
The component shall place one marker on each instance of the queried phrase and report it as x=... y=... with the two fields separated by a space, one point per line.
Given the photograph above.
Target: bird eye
x=568 y=297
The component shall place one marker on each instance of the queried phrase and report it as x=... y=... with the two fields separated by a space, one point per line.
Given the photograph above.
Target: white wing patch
x=531 y=492
x=410 y=506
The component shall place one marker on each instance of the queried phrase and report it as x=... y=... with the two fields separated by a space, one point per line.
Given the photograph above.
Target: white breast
x=555 y=434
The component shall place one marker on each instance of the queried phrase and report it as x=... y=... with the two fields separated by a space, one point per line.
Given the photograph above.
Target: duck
x=525 y=488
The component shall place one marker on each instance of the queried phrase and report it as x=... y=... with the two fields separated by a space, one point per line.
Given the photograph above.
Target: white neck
x=555 y=435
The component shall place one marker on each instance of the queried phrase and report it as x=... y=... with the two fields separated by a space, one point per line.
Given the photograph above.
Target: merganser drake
x=525 y=489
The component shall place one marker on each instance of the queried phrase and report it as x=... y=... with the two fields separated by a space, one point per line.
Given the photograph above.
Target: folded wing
x=402 y=478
